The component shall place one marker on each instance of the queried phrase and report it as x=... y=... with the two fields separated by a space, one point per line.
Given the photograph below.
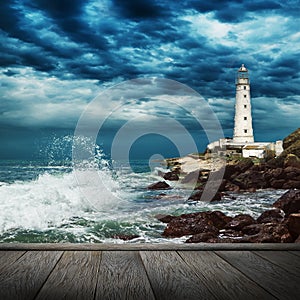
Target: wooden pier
x=135 y=271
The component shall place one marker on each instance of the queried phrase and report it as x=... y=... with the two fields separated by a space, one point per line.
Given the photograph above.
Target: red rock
x=164 y=218
x=293 y=224
x=272 y=215
x=161 y=185
x=125 y=237
x=172 y=176
x=267 y=233
x=191 y=224
x=292 y=161
x=277 y=184
x=291 y=184
x=192 y=177
x=196 y=196
x=289 y=202
x=297 y=239
x=240 y=221
x=201 y=237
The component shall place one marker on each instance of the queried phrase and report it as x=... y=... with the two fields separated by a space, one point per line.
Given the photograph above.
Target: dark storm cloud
x=198 y=43
x=138 y=9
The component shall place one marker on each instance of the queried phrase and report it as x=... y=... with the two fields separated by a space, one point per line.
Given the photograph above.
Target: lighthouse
x=243 y=131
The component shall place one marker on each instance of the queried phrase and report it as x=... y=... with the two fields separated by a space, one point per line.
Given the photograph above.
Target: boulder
x=164 y=218
x=271 y=216
x=289 y=202
x=293 y=224
x=291 y=139
x=291 y=184
x=196 y=196
x=292 y=173
x=192 y=177
x=277 y=183
x=125 y=237
x=240 y=221
x=266 y=233
x=161 y=185
x=172 y=176
x=292 y=160
x=194 y=223
x=201 y=237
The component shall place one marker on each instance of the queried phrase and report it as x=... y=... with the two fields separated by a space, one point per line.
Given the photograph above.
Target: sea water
x=41 y=201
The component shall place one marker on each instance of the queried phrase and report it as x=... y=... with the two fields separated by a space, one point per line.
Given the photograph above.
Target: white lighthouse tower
x=243 y=131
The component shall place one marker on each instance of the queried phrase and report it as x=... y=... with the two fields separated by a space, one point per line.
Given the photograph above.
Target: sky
x=57 y=56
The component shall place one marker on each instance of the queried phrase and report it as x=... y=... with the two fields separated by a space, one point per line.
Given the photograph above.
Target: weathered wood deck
x=131 y=271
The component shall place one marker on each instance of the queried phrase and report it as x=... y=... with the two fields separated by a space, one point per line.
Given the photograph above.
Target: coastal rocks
x=164 y=218
x=239 y=222
x=293 y=224
x=172 y=175
x=202 y=237
x=266 y=233
x=194 y=223
x=271 y=216
x=289 y=202
x=125 y=237
x=161 y=185
x=291 y=139
x=192 y=177
x=292 y=161
x=196 y=196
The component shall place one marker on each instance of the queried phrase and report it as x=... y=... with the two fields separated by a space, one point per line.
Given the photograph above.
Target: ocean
x=41 y=201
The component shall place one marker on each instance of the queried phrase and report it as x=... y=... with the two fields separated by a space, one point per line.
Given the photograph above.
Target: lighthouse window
x=244 y=87
x=245 y=130
x=245 y=96
x=245 y=106
x=245 y=118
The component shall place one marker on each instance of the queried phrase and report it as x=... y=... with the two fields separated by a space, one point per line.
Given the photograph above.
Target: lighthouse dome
x=243 y=68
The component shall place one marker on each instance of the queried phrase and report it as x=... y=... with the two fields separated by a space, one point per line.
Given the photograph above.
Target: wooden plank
x=297 y=253
x=122 y=276
x=9 y=257
x=74 y=277
x=223 y=280
x=272 y=278
x=283 y=259
x=148 y=247
x=24 y=278
x=172 y=278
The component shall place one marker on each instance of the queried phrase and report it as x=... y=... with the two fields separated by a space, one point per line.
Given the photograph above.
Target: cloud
x=57 y=55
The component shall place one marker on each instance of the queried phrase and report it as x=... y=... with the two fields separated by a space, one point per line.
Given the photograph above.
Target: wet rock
x=267 y=233
x=164 y=218
x=192 y=177
x=271 y=216
x=277 y=184
x=230 y=233
x=293 y=224
x=194 y=223
x=292 y=173
x=161 y=185
x=231 y=187
x=292 y=160
x=196 y=196
x=201 y=237
x=125 y=237
x=172 y=176
x=291 y=184
x=289 y=202
x=240 y=221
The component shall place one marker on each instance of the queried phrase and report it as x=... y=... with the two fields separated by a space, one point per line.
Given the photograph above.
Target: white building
x=243 y=143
